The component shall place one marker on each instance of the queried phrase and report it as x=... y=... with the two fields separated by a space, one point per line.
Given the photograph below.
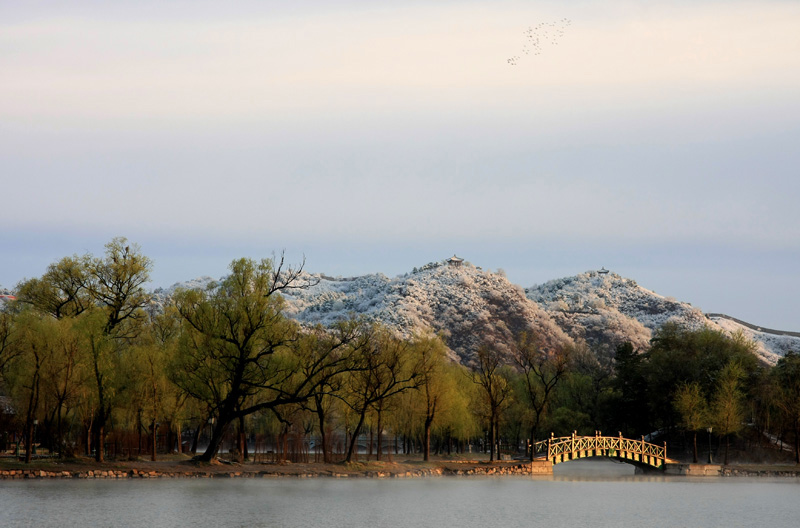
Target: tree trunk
x=380 y=435
x=89 y=429
x=217 y=433
x=196 y=438
x=426 y=449
x=323 y=437
x=242 y=440
x=533 y=442
x=492 y=438
x=797 y=442
x=727 y=446
x=139 y=428
x=100 y=441
x=28 y=440
x=100 y=435
x=354 y=439
x=154 y=428
x=695 y=448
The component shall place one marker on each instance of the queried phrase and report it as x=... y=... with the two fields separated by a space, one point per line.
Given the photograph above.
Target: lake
x=594 y=493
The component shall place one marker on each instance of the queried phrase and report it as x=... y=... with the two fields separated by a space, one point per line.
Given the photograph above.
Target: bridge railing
x=555 y=446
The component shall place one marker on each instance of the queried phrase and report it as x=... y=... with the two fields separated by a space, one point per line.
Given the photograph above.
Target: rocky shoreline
x=386 y=471
x=743 y=472
x=518 y=469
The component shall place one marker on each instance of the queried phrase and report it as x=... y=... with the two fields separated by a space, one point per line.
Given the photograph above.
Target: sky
x=657 y=139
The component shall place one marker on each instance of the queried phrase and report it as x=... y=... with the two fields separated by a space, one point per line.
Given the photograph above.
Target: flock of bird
x=541 y=34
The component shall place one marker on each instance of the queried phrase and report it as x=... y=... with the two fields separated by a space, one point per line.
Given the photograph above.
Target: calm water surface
x=586 y=493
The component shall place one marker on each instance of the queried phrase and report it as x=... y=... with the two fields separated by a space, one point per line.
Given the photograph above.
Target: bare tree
x=384 y=368
x=541 y=371
x=487 y=373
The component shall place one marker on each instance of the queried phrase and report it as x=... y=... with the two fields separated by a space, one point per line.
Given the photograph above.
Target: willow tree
x=786 y=375
x=384 y=366
x=62 y=291
x=35 y=348
x=727 y=409
x=436 y=387
x=106 y=296
x=692 y=407
x=323 y=401
x=240 y=355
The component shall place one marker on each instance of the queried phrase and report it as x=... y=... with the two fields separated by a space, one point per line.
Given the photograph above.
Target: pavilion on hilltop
x=455 y=261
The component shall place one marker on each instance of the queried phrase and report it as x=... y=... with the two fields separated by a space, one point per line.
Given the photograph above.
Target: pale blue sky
x=657 y=139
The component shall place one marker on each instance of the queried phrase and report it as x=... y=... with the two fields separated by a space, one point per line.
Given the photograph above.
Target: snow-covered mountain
x=772 y=344
x=606 y=309
x=464 y=304
x=468 y=306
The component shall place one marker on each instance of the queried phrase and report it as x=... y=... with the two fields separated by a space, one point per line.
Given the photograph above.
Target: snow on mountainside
x=465 y=304
x=771 y=344
x=468 y=305
x=606 y=309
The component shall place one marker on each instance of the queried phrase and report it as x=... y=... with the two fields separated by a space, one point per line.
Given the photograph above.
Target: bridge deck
x=639 y=452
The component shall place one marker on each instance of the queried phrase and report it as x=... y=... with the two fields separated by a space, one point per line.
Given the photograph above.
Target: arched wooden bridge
x=636 y=452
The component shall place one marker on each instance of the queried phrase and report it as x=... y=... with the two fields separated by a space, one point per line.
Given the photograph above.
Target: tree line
x=87 y=357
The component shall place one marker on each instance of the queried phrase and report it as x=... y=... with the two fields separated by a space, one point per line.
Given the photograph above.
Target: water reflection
x=594 y=469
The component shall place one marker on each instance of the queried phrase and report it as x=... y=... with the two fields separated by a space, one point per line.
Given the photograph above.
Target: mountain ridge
x=468 y=305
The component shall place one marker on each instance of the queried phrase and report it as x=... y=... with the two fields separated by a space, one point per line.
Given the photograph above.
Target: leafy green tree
x=240 y=355
x=62 y=290
x=383 y=367
x=116 y=285
x=680 y=355
x=786 y=375
x=8 y=336
x=107 y=295
x=37 y=356
x=62 y=378
x=317 y=342
x=727 y=411
x=153 y=397
x=631 y=413
x=692 y=408
x=587 y=401
x=434 y=384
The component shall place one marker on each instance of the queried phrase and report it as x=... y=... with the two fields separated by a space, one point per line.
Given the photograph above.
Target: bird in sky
x=539 y=35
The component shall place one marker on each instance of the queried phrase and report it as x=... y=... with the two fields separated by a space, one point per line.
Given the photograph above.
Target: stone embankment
x=480 y=470
x=717 y=470
x=746 y=472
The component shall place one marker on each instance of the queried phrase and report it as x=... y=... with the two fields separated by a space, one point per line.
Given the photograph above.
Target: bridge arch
x=557 y=450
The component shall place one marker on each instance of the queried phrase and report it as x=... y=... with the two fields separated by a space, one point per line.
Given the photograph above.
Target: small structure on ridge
x=455 y=261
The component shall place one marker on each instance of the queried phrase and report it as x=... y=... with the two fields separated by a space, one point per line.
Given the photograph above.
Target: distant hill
x=606 y=309
x=464 y=304
x=468 y=305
